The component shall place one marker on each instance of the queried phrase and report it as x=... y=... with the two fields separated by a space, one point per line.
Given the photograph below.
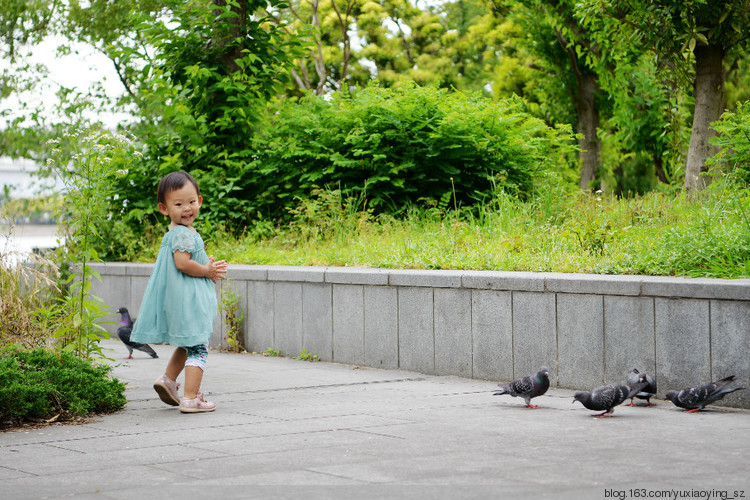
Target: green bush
x=43 y=385
x=403 y=147
x=734 y=141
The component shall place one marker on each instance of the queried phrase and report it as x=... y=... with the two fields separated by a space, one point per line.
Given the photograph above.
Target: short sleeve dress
x=177 y=309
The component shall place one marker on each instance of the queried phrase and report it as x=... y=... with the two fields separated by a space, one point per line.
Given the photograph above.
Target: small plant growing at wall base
x=230 y=304
x=306 y=356
x=271 y=352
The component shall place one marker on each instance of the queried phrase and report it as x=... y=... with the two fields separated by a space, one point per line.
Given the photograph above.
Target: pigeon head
x=580 y=396
x=122 y=310
x=671 y=395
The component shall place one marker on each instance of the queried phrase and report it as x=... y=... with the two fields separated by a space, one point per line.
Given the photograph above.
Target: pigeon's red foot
x=129 y=357
x=693 y=410
x=532 y=406
x=603 y=415
x=631 y=404
x=650 y=404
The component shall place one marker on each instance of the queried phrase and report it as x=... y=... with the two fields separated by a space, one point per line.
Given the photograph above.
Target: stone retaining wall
x=588 y=329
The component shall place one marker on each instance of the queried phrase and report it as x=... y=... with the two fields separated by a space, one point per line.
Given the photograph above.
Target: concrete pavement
x=288 y=429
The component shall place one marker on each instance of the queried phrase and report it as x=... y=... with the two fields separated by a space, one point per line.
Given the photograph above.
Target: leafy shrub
x=207 y=85
x=405 y=146
x=734 y=141
x=41 y=384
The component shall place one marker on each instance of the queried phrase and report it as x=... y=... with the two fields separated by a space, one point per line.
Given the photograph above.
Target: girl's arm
x=213 y=270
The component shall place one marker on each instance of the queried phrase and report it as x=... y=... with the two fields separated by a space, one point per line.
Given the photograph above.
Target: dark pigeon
x=124 y=330
x=699 y=396
x=648 y=392
x=606 y=397
x=528 y=387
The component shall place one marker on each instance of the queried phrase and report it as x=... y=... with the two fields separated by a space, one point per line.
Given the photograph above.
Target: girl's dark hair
x=172 y=182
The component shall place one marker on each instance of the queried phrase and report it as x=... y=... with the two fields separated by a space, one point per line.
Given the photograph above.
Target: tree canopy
x=640 y=82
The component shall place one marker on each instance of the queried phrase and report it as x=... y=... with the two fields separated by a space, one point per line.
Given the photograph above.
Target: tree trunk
x=587 y=88
x=659 y=169
x=588 y=123
x=709 y=104
x=233 y=28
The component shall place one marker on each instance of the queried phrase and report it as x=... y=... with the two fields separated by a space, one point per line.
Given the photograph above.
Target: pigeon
x=527 y=387
x=697 y=397
x=126 y=327
x=648 y=392
x=607 y=397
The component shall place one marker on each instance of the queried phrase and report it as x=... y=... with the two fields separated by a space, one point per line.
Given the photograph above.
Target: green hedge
x=402 y=147
x=43 y=384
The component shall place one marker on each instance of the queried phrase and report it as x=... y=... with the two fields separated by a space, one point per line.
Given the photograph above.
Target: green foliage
x=658 y=234
x=27 y=288
x=41 y=384
x=230 y=303
x=648 y=125
x=328 y=213
x=271 y=352
x=24 y=21
x=593 y=229
x=203 y=95
x=734 y=141
x=306 y=356
x=400 y=147
x=88 y=180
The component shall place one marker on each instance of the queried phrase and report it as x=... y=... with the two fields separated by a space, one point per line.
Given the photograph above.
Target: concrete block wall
x=588 y=329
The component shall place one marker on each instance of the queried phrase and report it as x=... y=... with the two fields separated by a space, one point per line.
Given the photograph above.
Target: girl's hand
x=213 y=269
x=216 y=269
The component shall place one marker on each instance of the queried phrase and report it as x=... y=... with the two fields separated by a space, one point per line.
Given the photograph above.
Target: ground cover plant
x=663 y=234
x=43 y=386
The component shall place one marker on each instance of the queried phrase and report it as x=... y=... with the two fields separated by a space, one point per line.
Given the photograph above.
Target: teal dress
x=177 y=309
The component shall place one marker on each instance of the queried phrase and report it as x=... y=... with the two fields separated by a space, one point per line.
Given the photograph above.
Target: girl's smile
x=182 y=205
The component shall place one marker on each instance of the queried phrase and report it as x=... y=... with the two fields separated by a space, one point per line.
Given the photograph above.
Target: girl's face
x=182 y=205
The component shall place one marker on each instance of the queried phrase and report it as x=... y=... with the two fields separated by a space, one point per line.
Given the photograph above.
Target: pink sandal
x=197 y=405
x=167 y=389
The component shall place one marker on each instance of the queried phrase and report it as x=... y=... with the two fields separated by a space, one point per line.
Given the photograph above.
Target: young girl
x=179 y=305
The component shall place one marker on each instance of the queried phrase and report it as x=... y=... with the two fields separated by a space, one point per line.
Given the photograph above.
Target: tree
x=566 y=49
x=329 y=62
x=22 y=23
x=25 y=21
x=214 y=67
x=696 y=36
x=197 y=76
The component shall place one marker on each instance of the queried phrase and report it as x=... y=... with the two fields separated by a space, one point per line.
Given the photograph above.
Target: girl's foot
x=197 y=405
x=167 y=389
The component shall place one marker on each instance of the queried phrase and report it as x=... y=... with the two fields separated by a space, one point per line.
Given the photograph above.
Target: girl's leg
x=176 y=363
x=193 y=377
x=194 y=366
x=166 y=386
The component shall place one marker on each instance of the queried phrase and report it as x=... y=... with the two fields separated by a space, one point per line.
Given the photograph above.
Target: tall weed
x=27 y=287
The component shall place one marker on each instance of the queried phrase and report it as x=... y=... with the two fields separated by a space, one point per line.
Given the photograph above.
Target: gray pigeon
x=124 y=331
x=648 y=392
x=607 y=397
x=697 y=397
x=527 y=387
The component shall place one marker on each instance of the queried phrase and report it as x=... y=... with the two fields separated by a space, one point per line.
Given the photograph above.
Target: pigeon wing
x=694 y=397
x=633 y=377
x=521 y=386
